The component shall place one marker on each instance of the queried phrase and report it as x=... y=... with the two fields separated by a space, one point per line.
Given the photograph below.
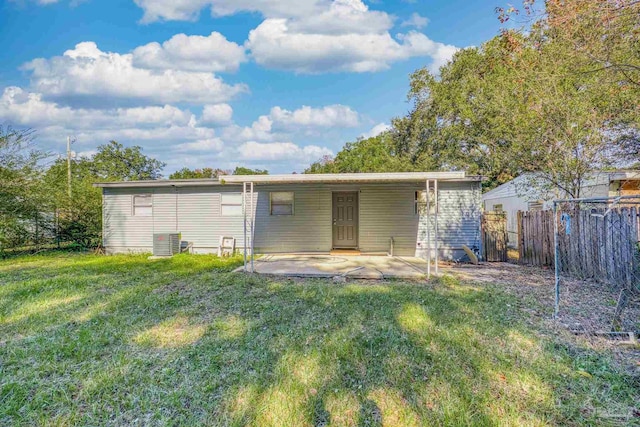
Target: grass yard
x=93 y=340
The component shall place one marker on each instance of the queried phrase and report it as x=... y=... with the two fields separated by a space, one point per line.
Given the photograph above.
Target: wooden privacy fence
x=494 y=236
x=535 y=237
x=593 y=243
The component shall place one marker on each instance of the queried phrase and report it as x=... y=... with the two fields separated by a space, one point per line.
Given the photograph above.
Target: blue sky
x=272 y=84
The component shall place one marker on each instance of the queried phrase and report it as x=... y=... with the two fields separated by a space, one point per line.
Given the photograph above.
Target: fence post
x=57 y=214
x=36 y=239
x=556 y=259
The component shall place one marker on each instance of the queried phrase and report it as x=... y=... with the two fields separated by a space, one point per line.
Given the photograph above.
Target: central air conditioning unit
x=166 y=244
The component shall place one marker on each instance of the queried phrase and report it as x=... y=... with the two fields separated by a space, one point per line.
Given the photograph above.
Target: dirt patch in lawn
x=586 y=307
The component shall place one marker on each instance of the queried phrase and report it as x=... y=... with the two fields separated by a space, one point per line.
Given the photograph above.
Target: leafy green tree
x=186 y=173
x=240 y=170
x=114 y=162
x=20 y=198
x=376 y=154
x=533 y=101
x=79 y=217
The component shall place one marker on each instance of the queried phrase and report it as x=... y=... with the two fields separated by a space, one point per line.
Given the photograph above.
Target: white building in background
x=519 y=195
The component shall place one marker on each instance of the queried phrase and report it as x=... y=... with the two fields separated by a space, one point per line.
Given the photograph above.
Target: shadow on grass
x=121 y=340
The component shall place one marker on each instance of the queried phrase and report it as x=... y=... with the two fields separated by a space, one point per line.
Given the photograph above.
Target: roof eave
x=352 y=178
x=158 y=183
x=348 y=178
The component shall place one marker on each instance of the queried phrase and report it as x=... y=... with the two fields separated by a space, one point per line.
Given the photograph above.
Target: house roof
x=509 y=188
x=622 y=175
x=297 y=179
x=348 y=177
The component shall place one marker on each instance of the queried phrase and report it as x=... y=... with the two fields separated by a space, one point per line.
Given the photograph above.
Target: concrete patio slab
x=357 y=267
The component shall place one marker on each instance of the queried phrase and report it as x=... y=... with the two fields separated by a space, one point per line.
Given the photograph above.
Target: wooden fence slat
x=604 y=249
x=494 y=236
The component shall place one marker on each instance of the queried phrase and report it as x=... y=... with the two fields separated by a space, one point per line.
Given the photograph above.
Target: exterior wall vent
x=166 y=244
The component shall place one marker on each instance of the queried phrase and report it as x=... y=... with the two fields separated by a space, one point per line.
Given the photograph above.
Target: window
x=281 y=203
x=498 y=207
x=535 y=206
x=143 y=205
x=420 y=202
x=231 y=204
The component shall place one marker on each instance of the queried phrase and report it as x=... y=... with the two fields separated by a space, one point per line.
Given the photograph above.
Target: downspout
x=252 y=216
x=244 y=222
x=428 y=230
x=556 y=262
x=436 y=208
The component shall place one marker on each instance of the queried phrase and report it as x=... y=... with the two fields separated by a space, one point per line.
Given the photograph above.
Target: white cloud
x=209 y=144
x=191 y=53
x=274 y=45
x=159 y=136
x=278 y=151
x=312 y=36
x=189 y=10
x=167 y=132
x=217 y=114
x=283 y=124
x=416 y=21
x=259 y=130
x=376 y=130
x=329 y=116
x=86 y=71
x=343 y=17
x=29 y=109
x=420 y=45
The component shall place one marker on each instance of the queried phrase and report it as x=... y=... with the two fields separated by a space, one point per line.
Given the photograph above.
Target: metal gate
x=494 y=236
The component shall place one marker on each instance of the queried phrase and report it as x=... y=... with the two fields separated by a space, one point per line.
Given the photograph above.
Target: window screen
x=282 y=203
x=420 y=202
x=142 y=205
x=535 y=206
x=498 y=207
x=231 y=204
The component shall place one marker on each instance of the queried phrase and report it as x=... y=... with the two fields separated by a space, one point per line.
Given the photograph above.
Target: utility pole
x=69 y=166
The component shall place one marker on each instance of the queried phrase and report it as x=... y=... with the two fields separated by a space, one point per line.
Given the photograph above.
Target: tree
x=186 y=173
x=376 y=154
x=79 y=217
x=114 y=162
x=531 y=102
x=20 y=200
x=240 y=170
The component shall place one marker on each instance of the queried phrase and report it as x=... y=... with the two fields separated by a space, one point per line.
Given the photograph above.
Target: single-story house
x=300 y=213
x=519 y=195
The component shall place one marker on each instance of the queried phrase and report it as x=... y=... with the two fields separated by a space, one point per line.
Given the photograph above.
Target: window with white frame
x=535 y=206
x=420 y=202
x=498 y=207
x=281 y=203
x=231 y=204
x=142 y=205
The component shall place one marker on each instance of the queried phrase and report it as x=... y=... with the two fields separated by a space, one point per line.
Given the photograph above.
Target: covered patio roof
x=320 y=178
x=337 y=178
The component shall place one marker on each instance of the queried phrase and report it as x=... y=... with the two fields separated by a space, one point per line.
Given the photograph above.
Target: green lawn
x=92 y=340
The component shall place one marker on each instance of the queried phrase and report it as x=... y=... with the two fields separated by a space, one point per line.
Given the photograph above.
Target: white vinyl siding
x=385 y=211
x=309 y=230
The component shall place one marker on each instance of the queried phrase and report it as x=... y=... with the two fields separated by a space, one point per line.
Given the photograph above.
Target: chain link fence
x=596 y=241
x=41 y=231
